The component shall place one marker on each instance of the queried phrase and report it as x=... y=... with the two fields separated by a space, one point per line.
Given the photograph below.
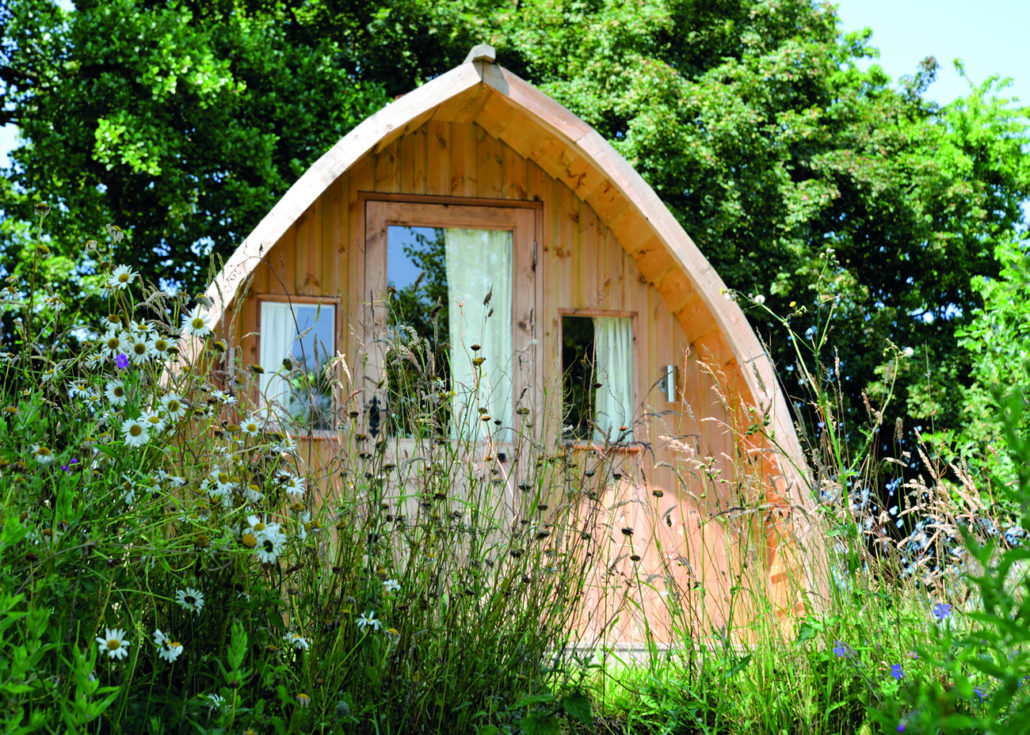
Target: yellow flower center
x=135 y=430
x=249 y=540
x=114 y=644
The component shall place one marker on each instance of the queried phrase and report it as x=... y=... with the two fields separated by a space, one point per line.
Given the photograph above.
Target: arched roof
x=543 y=131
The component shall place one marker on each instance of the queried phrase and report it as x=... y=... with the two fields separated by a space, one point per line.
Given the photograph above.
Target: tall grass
x=920 y=626
x=172 y=565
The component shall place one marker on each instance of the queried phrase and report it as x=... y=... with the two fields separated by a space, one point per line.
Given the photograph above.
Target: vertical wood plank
x=463 y=160
x=513 y=174
x=489 y=169
x=387 y=173
x=438 y=158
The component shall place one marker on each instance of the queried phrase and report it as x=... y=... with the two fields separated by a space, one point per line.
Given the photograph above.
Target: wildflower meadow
x=172 y=564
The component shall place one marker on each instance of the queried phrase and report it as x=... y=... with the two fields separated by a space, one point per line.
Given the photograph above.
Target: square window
x=597 y=378
x=297 y=342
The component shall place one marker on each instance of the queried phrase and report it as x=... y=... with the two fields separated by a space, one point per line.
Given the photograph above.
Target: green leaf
x=540 y=725
x=577 y=706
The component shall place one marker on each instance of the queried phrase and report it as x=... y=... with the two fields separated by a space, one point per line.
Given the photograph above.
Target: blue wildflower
x=896 y=671
x=840 y=649
x=122 y=361
x=941 y=610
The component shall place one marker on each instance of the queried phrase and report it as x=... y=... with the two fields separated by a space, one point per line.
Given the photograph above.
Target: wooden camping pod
x=479 y=140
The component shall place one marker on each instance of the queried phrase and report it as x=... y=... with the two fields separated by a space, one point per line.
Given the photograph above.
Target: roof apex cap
x=482 y=52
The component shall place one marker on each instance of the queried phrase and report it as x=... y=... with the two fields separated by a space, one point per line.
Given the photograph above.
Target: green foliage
x=188 y=122
x=998 y=339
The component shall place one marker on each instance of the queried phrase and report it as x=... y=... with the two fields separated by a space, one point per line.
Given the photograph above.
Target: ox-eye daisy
x=270 y=543
x=196 y=322
x=191 y=599
x=121 y=278
x=293 y=485
x=167 y=649
x=135 y=432
x=173 y=406
x=113 y=643
x=297 y=641
x=115 y=392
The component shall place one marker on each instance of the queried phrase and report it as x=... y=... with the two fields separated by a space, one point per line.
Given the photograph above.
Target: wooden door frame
x=523 y=219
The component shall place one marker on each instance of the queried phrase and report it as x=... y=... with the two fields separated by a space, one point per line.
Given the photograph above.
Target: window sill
x=315 y=434
x=590 y=446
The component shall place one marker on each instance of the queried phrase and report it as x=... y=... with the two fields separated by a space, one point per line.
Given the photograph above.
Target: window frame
x=306 y=300
x=523 y=219
x=634 y=445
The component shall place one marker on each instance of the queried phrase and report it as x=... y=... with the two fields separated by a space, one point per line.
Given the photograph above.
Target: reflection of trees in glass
x=416 y=372
x=577 y=359
x=311 y=394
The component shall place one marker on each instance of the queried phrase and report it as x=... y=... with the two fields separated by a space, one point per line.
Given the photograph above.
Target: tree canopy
x=805 y=177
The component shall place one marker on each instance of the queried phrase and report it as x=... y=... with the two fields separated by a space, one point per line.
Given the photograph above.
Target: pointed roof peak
x=482 y=52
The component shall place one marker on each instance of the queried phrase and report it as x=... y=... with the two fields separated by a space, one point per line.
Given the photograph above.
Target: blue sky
x=990 y=36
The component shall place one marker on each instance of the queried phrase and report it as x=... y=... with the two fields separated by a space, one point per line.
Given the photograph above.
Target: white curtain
x=278 y=333
x=479 y=263
x=613 y=363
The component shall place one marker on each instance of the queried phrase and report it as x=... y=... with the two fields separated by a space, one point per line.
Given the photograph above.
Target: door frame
x=524 y=219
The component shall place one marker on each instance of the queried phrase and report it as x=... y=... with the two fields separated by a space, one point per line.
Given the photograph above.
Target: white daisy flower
x=297 y=641
x=135 y=432
x=257 y=524
x=196 y=322
x=285 y=444
x=252 y=493
x=167 y=649
x=42 y=454
x=172 y=480
x=217 y=701
x=369 y=620
x=141 y=350
x=114 y=644
x=391 y=585
x=160 y=345
x=191 y=599
x=78 y=390
x=218 y=484
x=222 y=397
x=173 y=406
x=154 y=421
x=293 y=485
x=270 y=543
x=115 y=392
x=121 y=278
x=250 y=426
x=115 y=342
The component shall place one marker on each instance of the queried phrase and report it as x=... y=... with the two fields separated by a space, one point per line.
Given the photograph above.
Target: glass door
x=449 y=349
